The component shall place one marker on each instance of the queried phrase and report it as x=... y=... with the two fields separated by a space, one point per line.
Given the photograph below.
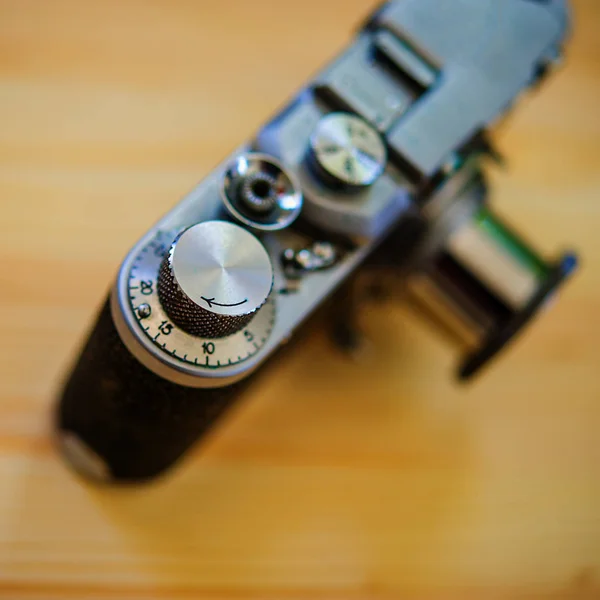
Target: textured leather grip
x=137 y=423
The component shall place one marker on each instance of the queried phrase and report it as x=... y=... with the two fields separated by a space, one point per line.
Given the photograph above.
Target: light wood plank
x=331 y=480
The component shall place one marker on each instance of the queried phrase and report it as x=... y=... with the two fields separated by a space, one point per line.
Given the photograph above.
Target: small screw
x=326 y=252
x=320 y=255
x=144 y=311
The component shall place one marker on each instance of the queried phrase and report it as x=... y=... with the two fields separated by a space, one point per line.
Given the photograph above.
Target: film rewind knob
x=214 y=279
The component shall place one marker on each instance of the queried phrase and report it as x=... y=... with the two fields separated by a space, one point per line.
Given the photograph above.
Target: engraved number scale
x=203 y=352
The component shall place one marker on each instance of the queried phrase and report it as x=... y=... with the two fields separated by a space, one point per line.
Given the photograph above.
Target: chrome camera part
x=316 y=257
x=214 y=279
x=373 y=168
x=258 y=192
x=346 y=152
x=365 y=213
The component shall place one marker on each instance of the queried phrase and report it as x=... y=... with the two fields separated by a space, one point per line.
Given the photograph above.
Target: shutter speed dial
x=199 y=355
x=214 y=279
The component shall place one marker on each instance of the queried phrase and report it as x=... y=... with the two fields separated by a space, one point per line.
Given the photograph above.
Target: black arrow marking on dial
x=211 y=301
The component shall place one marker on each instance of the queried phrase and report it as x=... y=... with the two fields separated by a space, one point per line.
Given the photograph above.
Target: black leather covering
x=137 y=422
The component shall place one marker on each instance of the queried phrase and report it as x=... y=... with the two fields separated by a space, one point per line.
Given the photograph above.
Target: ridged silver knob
x=214 y=279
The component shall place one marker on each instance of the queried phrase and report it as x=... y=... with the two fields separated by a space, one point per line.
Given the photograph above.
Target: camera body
x=374 y=166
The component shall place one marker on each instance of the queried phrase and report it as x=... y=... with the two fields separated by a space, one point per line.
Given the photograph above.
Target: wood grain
x=332 y=480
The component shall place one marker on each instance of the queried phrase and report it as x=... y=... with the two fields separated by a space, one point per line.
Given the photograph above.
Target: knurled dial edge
x=173 y=342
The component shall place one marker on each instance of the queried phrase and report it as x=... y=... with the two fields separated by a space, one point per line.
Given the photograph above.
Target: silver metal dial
x=347 y=151
x=214 y=278
x=176 y=344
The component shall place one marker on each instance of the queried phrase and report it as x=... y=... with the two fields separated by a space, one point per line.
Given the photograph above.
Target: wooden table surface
x=376 y=480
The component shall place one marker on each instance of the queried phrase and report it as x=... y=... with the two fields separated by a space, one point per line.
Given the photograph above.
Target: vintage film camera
x=374 y=164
